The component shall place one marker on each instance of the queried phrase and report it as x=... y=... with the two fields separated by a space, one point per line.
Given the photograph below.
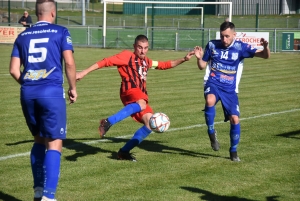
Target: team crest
x=234 y=56
x=69 y=40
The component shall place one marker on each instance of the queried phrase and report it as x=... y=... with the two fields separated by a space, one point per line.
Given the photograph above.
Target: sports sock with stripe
x=210 y=114
x=37 y=156
x=51 y=173
x=137 y=138
x=235 y=132
x=128 y=110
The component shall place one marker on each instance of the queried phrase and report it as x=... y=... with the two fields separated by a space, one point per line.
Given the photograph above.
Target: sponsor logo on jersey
x=37 y=74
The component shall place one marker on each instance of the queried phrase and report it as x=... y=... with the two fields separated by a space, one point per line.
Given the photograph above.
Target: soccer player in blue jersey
x=41 y=50
x=224 y=56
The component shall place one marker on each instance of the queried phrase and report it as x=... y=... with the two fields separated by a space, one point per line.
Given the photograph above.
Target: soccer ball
x=159 y=122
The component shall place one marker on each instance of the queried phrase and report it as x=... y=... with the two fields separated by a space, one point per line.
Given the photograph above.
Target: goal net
x=156 y=3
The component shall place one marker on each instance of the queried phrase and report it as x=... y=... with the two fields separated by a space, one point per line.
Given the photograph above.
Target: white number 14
x=224 y=55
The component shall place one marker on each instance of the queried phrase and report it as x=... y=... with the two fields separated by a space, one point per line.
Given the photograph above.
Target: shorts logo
x=207 y=90
x=62 y=130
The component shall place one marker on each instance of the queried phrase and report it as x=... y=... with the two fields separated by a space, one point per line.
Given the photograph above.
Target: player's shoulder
x=240 y=45
x=214 y=44
x=215 y=41
x=126 y=53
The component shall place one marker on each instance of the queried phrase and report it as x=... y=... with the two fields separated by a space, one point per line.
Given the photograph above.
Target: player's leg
x=230 y=103
x=139 y=135
x=37 y=158
x=134 y=100
x=53 y=123
x=211 y=98
x=52 y=167
x=37 y=153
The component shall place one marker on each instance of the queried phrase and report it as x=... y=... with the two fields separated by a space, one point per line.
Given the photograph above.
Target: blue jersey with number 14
x=40 y=49
x=224 y=62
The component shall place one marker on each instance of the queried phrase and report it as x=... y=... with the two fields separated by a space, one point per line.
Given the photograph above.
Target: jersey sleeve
x=66 y=40
x=160 y=65
x=15 y=50
x=248 y=51
x=206 y=55
x=120 y=59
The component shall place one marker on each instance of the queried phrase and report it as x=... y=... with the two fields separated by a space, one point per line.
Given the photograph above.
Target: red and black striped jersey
x=132 y=69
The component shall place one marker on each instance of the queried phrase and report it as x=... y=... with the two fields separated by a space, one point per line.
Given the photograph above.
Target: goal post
x=161 y=7
x=156 y=2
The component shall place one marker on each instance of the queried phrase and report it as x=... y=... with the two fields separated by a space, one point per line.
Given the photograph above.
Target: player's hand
x=72 y=95
x=189 y=55
x=79 y=75
x=264 y=43
x=198 y=52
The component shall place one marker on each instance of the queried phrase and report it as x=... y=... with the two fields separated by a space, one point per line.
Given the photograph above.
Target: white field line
x=169 y=130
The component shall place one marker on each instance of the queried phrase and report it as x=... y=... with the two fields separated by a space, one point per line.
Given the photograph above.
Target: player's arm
x=14 y=68
x=177 y=62
x=265 y=53
x=160 y=65
x=199 y=54
x=70 y=69
x=81 y=74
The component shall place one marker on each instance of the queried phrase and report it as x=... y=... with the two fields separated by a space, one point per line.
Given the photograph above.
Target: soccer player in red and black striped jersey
x=133 y=68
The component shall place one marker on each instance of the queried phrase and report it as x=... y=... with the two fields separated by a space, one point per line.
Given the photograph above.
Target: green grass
x=176 y=165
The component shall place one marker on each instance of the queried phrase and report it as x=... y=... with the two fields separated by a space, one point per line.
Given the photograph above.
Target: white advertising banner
x=252 y=38
x=9 y=34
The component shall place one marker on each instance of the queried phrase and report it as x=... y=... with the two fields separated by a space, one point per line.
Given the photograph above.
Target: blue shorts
x=229 y=100
x=46 y=117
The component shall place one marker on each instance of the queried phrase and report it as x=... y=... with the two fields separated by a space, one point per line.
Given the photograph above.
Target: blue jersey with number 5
x=40 y=49
x=224 y=62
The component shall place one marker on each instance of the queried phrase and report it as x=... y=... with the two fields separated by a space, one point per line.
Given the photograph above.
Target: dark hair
x=141 y=37
x=226 y=25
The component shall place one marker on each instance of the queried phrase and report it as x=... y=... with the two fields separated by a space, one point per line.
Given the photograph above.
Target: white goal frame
x=156 y=2
x=147 y=7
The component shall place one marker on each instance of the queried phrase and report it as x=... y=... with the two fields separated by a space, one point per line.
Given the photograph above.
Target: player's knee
x=210 y=100
x=142 y=104
x=234 y=119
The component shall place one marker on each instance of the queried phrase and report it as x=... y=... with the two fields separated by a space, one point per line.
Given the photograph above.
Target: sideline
x=169 y=130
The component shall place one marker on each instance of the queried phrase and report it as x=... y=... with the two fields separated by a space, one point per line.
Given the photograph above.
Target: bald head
x=45 y=10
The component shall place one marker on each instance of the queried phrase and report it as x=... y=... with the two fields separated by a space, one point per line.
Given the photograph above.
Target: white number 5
x=33 y=49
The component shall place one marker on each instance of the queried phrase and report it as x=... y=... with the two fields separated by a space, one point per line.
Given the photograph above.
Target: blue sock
x=210 y=114
x=51 y=173
x=128 y=110
x=235 y=132
x=37 y=156
x=137 y=138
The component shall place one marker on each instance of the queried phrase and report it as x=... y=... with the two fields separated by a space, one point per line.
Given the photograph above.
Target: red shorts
x=133 y=95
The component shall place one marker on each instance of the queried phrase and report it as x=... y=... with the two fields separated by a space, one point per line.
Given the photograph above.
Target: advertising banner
x=287 y=41
x=9 y=34
x=252 y=38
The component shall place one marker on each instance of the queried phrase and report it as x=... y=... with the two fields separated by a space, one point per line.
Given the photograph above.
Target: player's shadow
x=4 y=196
x=292 y=134
x=158 y=146
x=207 y=195
x=81 y=148
x=84 y=148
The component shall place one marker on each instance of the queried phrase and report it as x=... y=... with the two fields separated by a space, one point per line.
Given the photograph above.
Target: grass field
x=173 y=166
